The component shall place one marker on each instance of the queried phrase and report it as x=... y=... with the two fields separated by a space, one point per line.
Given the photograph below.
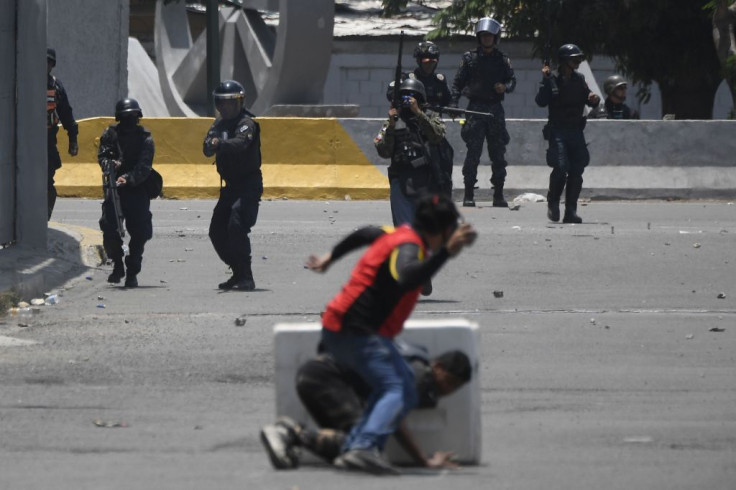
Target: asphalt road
x=608 y=363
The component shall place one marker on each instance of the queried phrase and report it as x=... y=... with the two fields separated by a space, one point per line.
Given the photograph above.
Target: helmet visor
x=230 y=107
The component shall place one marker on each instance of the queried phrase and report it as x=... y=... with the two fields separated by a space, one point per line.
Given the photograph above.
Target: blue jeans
x=402 y=207
x=377 y=361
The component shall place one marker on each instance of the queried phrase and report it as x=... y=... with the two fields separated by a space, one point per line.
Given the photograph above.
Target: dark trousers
x=568 y=156
x=135 y=205
x=54 y=163
x=492 y=130
x=234 y=215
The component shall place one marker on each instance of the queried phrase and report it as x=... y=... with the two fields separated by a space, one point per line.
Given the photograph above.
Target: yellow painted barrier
x=303 y=158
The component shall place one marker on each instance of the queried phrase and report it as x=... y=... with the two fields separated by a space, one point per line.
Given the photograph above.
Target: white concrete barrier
x=455 y=425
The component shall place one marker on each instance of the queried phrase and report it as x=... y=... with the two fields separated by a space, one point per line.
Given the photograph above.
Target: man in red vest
x=360 y=322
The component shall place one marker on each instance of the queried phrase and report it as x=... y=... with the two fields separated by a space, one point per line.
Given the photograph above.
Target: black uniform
x=238 y=159
x=58 y=110
x=568 y=152
x=133 y=146
x=611 y=110
x=475 y=79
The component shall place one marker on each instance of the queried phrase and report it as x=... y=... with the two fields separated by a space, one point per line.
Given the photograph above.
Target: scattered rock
x=721 y=295
x=239 y=322
x=498 y=293
x=716 y=329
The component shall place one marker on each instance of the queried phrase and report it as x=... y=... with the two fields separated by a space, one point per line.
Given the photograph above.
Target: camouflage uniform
x=611 y=110
x=413 y=170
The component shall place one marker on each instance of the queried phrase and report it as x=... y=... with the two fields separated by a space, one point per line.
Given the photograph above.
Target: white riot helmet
x=491 y=26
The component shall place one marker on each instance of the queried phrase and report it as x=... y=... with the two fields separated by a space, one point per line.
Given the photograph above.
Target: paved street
x=609 y=362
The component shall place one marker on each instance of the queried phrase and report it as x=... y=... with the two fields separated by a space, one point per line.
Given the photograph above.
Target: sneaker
x=367 y=460
x=276 y=441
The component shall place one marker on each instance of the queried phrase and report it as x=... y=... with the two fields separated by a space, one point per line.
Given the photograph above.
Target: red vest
x=371 y=301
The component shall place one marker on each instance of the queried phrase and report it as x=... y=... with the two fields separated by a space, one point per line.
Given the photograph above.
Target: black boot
x=574 y=186
x=571 y=215
x=498 y=200
x=468 y=200
x=118 y=272
x=230 y=283
x=245 y=280
x=553 y=210
x=556 y=186
x=131 y=281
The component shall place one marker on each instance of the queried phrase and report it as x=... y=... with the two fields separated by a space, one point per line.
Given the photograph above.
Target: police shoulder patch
x=440 y=77
x=412 y=76
x=243 y=129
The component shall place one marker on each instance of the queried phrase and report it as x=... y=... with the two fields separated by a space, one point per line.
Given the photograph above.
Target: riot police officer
x=484 y=77
x=614 y=107
x=427 y=55
x=57 y=110
x=235 y=140
x=128 y=149
x=565 y=94
x=406 y=139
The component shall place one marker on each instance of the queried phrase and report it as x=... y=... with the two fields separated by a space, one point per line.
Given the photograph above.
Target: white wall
x=362 y=78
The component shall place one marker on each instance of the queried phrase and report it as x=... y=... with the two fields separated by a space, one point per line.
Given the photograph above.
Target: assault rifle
x=455 y=111
x=548 y=45
x=396 y=102
x=109 y=184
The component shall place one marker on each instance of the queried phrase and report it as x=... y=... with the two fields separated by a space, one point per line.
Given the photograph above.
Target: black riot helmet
x=51 y=56
x=489 y=25
x=127 y=107
x=612 y=83
x=569 y=52
x=426 y=49
x=413 y=88
x=229 y=99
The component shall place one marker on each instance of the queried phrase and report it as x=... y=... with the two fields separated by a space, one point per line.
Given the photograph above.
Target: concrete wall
x=360 y=71
x=311 y=158
x=7 y=121
x=91 y=42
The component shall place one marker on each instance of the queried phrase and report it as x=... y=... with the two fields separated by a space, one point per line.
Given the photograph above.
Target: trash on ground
x=696 y=245
x=721 y=295
x=689 y=336
x=529 y=197
x=109 y=424
x=37 y=301
x=51 y=299
x=716 y=329
x=239 y=322
x=498 y=293
x=639 y=439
